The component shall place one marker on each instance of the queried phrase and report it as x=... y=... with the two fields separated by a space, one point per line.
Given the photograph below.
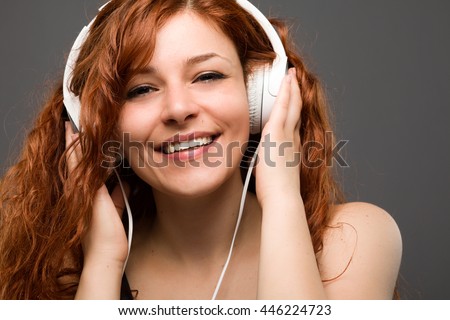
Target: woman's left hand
x=287 y=267
x=278 y=167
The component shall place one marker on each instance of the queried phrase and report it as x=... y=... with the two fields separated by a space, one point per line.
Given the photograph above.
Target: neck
x=197 y=229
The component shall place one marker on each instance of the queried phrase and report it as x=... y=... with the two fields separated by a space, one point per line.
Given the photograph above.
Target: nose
x=179 y=106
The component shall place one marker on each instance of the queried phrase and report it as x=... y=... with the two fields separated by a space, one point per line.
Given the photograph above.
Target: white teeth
x=180 y=146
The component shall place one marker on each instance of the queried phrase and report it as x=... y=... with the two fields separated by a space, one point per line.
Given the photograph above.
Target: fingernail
x=293 y=71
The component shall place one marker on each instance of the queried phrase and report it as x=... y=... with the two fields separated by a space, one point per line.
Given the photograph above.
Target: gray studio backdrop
x=386 y=68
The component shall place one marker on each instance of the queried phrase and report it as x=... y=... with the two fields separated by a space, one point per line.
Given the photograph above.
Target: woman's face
x=186 y=116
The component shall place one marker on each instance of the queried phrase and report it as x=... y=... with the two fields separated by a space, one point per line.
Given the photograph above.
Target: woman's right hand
x=105 y=239
x=105 y=246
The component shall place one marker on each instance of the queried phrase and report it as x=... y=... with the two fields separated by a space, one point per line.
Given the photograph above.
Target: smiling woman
x=172 y=84
x=198 y=92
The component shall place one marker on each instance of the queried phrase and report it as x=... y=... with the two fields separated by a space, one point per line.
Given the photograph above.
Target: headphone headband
x=270 y=82
x=279 y=64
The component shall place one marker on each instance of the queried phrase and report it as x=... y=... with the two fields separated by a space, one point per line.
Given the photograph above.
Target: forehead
x=186 y=35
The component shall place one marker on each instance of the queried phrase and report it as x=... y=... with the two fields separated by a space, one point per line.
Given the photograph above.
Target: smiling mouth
x=178 y=146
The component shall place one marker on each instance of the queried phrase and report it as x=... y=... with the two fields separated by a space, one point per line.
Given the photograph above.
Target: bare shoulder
x=367 y=218
x=361 y=253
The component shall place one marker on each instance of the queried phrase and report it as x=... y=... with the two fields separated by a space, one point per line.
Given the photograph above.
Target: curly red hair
x=45 y=212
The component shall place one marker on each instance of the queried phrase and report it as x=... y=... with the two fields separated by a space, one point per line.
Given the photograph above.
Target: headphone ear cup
x=260 y=99
x=255 y=93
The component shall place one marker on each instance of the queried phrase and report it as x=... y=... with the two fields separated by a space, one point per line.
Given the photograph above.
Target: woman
x=153 y=76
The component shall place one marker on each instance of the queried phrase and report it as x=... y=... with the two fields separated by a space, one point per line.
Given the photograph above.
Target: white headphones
x=262 y=90
x=263 y=86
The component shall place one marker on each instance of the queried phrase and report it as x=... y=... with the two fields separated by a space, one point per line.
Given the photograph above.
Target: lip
x=188 y=154
x=185 y=137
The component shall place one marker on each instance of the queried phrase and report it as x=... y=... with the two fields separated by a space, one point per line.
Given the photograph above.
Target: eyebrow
x=204 y=57
x=190 y=62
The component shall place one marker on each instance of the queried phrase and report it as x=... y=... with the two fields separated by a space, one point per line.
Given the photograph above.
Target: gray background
x=386 y=68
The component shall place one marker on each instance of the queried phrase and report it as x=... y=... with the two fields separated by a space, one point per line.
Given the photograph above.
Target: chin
x=190 y=190
x=192 y=183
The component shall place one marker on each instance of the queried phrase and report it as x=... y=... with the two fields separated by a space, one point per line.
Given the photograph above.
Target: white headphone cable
x=238 y=222
x=130 y=219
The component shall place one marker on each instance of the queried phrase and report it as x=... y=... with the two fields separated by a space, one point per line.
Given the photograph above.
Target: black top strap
x=125 y=291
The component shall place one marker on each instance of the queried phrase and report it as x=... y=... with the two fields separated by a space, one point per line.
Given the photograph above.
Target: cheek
x=233 y=109
x=240 y=118
x=134 y=128
x=135 y=123
x=236 y=114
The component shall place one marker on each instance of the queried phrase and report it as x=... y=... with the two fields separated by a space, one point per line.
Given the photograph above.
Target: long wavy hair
x=45 y=211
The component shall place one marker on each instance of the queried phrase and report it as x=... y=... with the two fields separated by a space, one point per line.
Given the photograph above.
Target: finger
x=295 y=104
x=118 y=199
x=69 y=133
x=281 y=105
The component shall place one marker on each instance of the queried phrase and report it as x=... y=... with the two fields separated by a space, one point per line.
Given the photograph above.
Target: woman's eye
x=140 y=91
x=209 y=76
